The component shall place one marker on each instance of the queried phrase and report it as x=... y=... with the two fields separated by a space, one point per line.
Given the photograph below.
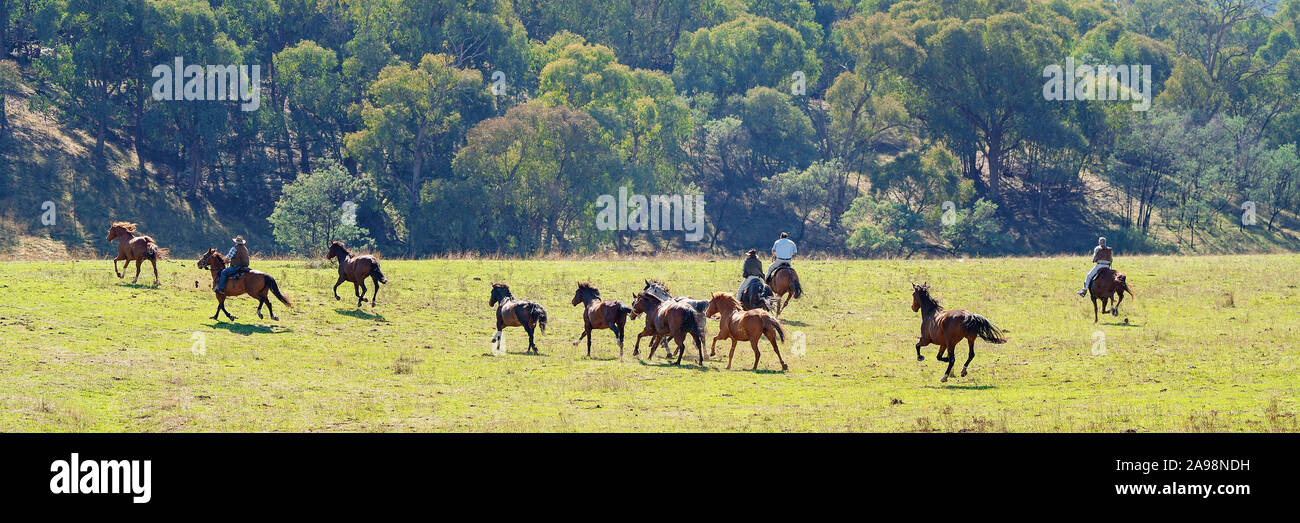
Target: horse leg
x=586 y=330
x=636 y=349
x=260 y=302
x=360 y=288
x=532 y=347
x=771 y=336
x=115 y=271
x=1094 y=309
x=713 y=347
x=950 y=361
x=618 y=335
x=919 y=357
x=154 y=263
x=336 y=288
x=732 y=354
x=137 y=271
x=681 y=347
x=970 y=342
x=374 y=297
x=753 y=344
x=270 y=309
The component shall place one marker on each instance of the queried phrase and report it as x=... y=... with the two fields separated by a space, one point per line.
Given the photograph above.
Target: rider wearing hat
x=238 y=262
x=753 y=266
x=1102 y=255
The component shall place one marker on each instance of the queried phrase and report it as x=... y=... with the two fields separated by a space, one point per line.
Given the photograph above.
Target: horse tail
x=775 y=323
x=151 y=251
x=275 y=289
x=691 y=323
x=794 y=282
x=378 y=273
x=982 y=327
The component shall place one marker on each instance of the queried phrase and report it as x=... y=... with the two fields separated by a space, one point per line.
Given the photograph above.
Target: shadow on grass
x=360 y=314
x=139 y=285
x=246 y=329
x=961 y=387
x=1122 y=324
x=793 y=323
x=534 y=354
x=670 y=365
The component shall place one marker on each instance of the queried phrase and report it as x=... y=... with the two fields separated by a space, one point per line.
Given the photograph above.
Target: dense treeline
x=875 y=127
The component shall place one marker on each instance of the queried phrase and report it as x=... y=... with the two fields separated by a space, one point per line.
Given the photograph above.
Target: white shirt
x=784 y=249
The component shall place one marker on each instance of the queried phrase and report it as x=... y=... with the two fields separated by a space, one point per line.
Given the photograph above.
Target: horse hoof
x=784 y=367
x=920 y=358
x=963 y=373
x=212 y=318
x=943 y=379
x=276 y=318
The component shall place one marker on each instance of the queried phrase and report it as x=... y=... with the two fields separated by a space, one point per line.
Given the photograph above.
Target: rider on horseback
x=1102 y=257
x=782 y=252
x=238 y=262
x=753 y=265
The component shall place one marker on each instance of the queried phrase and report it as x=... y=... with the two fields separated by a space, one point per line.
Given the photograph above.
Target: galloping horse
x=785 y=282
x=946 y=328
x=667 y=320
x=660 y=290
x=131 y=247
x=1105 y=284
x=252 y=283
x=751 y=326
x=355 y=269
x=598 y=314
x=516 y=313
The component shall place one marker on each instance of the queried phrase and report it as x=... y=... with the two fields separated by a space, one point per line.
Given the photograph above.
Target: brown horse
x=667 y=320
x=785 y=282
x=598 y=314
x=516 y=313
x=946 y=328
x=660 y=290
x=355 y=269
x=131 y=247
x=1105 y=284
x=751 y=325
x=252 y=283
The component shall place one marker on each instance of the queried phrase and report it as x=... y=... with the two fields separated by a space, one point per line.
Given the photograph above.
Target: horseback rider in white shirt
x=783 y=251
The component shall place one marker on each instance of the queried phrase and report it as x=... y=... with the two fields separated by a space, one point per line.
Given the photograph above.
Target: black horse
x=754 y=293
x=516 y=313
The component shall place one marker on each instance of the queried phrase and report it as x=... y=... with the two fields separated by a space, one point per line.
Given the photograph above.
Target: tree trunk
x=994 y=157
x=304 y=146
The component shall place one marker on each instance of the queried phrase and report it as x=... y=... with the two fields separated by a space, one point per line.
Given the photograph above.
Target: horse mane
x=130 y=227
x=588 y=286
x=729 y=296
x=928 y=302
x=660 y=284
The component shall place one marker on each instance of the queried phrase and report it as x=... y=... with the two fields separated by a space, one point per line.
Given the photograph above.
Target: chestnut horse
x=516 y=313
x=598 y=314
x=667 y=320
x=252 y=283
x=751 y=325
x=355 y=269
x=946 y=328
x=1105 y=284
x=131 y=247
x=785 y=283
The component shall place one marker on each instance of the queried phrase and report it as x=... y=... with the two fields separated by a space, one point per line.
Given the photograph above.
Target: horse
x=754 y=293
x=660 y=290
x=252 y=283
x=751 y=326
x=355 y=269
x=946 y=328
x=1104 y=285
x=131 y=247
x=516 y=313
x=785 y=282
x=666 y=320
x=600 y=314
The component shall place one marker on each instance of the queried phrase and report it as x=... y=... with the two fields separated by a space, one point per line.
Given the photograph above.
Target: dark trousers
x=226 y=273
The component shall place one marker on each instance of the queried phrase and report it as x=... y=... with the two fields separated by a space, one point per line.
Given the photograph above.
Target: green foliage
x=747 y=52
x=978 y=230
x=320 y=207
x=882 y=228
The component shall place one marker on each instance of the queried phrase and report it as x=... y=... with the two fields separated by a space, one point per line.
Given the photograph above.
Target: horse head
x=721 y=302
x=120 y=228
x=585 y=293
x=211 y=259
x=921 y=295
x=500 y=292
x=337 y=250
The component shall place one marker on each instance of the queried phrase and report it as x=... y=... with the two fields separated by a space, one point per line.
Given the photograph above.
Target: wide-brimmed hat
x=239 y=239
x=752 y=252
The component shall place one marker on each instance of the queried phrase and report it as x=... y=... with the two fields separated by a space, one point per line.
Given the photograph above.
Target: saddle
x=240 y=272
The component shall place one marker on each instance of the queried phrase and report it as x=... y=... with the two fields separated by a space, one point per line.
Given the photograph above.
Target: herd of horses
x=751 y=316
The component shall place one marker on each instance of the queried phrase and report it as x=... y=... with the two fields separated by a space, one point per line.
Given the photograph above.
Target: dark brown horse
x=947 y=328
x=1105 y=285
x=740 y=325
x=660 y=290
x=785 y=282
x=516 y=313
x=600 y=314
x=252 y=283
x=355 y=269
x=667 y=320
x=134 y=248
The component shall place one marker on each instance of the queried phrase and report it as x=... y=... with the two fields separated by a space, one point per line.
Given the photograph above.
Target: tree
x=415 y=114
x=317 y=208
x=1280 y=183
x=310 y=77
x=747 y=52
x=10 y=81
x=977 y=231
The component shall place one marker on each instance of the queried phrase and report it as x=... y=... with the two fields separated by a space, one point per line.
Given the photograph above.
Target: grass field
x=1209 y=344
